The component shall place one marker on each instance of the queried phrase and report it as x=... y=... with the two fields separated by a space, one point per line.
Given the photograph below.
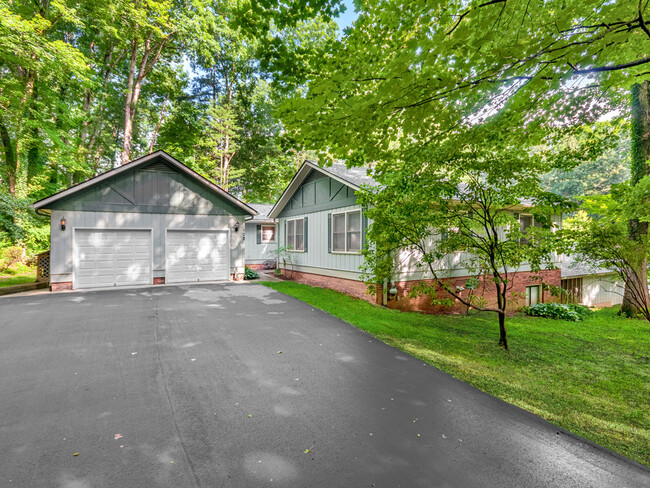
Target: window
x=296 y=234
x=346 y=232
x=532 y=295
x=268 y=233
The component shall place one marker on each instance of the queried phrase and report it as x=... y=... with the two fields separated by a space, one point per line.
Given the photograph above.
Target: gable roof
x=143 y=161
x=352 y=177
x=263 y=210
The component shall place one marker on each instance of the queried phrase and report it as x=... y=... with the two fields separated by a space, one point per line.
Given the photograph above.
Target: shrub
x=571 y=312
x=249 y=274
x=10 y=257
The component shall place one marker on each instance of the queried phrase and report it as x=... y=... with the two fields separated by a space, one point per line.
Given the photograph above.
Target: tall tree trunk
x=160 y=121
x=21 y=144
x=10 y=157
x=129 y=108
x=501 y=305
x=635 y=297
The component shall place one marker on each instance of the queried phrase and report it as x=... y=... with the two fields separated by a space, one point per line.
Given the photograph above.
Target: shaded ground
x=238 y=385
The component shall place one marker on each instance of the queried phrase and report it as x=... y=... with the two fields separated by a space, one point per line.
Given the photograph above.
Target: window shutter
x=259 y=234
x=305 y=233
x=329 y=232
x=286 y=236
x=364 y=229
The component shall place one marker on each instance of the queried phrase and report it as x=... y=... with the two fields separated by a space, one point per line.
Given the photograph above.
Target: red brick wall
x=63 y=285
x=257 y=266
x=422 y=304
x=516 y=295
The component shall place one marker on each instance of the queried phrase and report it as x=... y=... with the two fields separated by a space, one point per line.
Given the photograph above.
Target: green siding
x=156 y=188
x=319 y=192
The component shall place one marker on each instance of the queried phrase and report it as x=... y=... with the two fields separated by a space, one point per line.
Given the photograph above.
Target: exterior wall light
x=63 y=222
x=236 y=225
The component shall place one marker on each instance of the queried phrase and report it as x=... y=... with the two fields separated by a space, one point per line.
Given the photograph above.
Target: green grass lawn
x=591 y=378
x=22 y=275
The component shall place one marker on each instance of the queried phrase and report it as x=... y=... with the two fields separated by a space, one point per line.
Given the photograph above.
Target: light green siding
x=319 y=192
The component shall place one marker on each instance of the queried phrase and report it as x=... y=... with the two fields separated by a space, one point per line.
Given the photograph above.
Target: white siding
x=317 y=259
x=61 y=241
x=259 y=253
x=602 y=291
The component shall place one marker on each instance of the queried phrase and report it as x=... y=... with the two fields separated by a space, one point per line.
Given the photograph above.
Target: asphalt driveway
x=229 y=385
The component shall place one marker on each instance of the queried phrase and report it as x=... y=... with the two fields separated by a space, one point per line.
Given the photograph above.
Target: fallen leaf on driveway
x=133 y=353
x=76 y=453
x=250 y=416
x=307 y=451
x=279 y=352
x=118 y=436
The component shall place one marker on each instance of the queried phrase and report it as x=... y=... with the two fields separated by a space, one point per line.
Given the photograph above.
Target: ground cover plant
x=17 y=275
x=590 y=377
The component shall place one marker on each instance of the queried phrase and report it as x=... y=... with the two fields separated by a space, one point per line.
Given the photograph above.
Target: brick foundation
x=257 y=267
x=62 y=285
x=237 y=277
x=349 y=287
x=486 y=289
x=402 y=302
x=159 y=281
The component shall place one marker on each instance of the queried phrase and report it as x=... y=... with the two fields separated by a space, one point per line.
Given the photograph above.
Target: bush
x=249 y=274
x=571 y=312
x=10 y=257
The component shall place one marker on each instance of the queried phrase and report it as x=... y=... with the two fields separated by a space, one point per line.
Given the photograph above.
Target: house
x=594 y=287
x=150 y=221
x=320 y=219
x=261 y=238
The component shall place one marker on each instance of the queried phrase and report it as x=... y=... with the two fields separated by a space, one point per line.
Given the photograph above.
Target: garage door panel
x=112 y=258
x=196 y=256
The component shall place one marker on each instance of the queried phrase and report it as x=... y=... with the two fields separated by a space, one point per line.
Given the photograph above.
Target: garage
x=112 y=258
x=196 y=256
x=148 y=222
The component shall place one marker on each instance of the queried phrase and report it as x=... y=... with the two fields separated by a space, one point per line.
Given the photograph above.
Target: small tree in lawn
x=599 y=237
x=460 y=222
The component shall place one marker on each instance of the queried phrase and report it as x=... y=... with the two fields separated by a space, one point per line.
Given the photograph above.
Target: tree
x=461 y=221
x=595 y=177
x=599 y=237
x=35 y=66
x=411 y=79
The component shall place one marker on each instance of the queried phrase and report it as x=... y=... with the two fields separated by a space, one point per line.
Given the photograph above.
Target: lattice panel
x=43 y=266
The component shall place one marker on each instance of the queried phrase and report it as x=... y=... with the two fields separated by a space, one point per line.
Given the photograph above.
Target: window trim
x=346 y=213
x=286 y=237
x=539 y=294
x=275 y=233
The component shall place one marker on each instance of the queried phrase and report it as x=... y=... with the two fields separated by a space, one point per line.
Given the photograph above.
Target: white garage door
x=196 y=256
x=112 y=258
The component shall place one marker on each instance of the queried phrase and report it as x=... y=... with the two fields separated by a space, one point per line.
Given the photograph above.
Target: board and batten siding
x=602 y=291
x=61 y=242
x=317 y=259
x=259 y=253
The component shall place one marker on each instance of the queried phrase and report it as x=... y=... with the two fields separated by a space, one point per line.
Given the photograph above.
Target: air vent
x=158 y=166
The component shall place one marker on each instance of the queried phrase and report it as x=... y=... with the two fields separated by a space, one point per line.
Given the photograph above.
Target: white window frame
x=275 y=234
x=293 y=249
x=346 y=213
x=539 y=295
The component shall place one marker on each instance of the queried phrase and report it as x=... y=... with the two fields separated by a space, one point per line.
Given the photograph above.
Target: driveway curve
x=236 y=385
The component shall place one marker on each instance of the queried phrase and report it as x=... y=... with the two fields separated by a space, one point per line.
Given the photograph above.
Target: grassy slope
x=24 y=275
x=591 y=378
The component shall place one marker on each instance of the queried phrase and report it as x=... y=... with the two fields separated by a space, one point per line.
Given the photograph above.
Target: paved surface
x=192 y=379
